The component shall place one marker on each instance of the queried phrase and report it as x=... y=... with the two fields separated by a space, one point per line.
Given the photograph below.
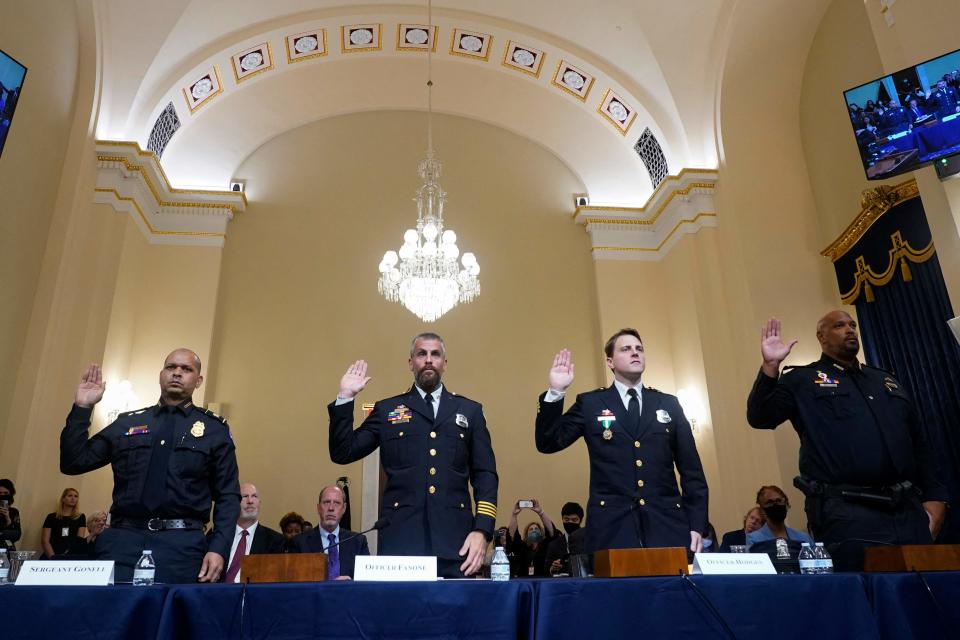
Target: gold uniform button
x=642 y=502
x=639 y=483
x=401 y=434
x=433 y=434
x=432 y=489
x=461 y=505
x=603 y=502
x=636 y=444
x=461 y=435
x=433 y=452
x=639 y=463
x=433 y=471
x=396 y=504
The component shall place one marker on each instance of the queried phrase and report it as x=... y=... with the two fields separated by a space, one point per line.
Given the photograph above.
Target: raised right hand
x=354 y=380
x=561 y=374
x=91 y=388
x=772 y=347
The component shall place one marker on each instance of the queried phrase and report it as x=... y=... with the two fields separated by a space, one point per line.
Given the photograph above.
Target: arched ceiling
x=661 y=59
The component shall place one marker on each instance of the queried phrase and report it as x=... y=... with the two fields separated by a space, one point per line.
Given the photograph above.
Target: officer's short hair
x=608 y=347
x=571 y=509
x=428 y=336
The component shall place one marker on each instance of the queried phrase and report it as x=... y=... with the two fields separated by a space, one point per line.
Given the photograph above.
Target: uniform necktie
x=429 y=399
x=237 y=556
x=333 y=553
x=633 y=410
x=155 y=486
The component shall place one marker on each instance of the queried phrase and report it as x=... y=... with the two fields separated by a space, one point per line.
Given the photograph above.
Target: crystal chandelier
x=424 y=275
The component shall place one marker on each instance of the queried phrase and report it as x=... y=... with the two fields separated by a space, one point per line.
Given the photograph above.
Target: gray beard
x=428 y=385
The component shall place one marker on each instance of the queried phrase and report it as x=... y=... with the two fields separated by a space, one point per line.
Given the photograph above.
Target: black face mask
x=570 y=527
x=776 y=512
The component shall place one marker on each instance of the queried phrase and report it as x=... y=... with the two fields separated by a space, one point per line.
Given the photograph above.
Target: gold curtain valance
x=900 y=253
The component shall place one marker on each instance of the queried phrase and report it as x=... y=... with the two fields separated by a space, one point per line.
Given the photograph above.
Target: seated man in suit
x=570 y=543
x=343 y=557
x=738 y=537
x=249 y=535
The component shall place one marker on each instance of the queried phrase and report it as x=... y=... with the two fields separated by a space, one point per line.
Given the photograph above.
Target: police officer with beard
x=433 y=444
x=866 y=468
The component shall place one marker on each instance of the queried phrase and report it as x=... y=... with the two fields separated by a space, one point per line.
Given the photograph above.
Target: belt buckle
x=154 y=524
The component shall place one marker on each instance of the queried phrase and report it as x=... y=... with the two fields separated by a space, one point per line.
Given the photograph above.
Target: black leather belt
x=891 y=496
x=156 y=524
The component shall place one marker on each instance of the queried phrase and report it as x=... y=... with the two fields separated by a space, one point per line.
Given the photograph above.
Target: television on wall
x=908 y=119
x=12 y=74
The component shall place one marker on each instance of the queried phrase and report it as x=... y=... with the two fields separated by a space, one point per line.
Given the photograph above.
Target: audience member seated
x=530 y=551
x=249 y=536
x=291 y=525
x=915 y=111
x=96 y=523
x=710 y=539
x=775 y=505
x=10 y=530
x=307 y=526
x=65 y=530
x=896 y=119
x=570 y=542
x=738 y=537
x=347 y=545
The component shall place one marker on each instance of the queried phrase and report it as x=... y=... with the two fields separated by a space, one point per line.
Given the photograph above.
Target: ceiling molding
x=682 y=204
x=132 y=181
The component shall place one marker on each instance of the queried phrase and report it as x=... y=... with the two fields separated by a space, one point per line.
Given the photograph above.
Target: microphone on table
x=379 y=525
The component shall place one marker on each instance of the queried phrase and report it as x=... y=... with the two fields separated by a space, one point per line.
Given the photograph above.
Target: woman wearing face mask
x=530 y=550
x=775 y=505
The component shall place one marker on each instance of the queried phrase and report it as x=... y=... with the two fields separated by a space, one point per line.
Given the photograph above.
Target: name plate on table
x=728 y=564
x=396 y=569
x=97 y=573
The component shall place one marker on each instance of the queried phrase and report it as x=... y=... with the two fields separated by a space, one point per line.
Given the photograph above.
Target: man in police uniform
x=432 y=442
x=170 y=461
x=866 y=468
x=635 y=436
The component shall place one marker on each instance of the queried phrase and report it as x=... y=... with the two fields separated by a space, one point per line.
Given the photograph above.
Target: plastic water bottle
x=4 y=567
x=499 y=566
x=824 y=561
x=808 y=562
x=145 y=569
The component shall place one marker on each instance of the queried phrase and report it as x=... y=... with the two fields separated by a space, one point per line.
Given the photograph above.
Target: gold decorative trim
x=899 y=253
x=516 y=66
x=321 y=32
x=663 y=185
x=234 y=62
x=405 y=47
x=643 y=221
x=680 y=223
x=344 y=36
x=153 y=230
x=873 y=204
x=623 y=128
x=473 y=56
x=166 y=181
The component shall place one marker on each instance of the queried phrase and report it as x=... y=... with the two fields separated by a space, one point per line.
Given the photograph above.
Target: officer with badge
x=866 y=468
x=170 y=462
x=635 y=436
x=432 y=444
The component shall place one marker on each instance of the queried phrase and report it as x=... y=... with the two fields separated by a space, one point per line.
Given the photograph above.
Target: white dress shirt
x=251 y=530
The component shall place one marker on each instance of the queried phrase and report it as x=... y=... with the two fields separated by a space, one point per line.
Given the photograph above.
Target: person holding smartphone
x=10 y=531
x=529 y=551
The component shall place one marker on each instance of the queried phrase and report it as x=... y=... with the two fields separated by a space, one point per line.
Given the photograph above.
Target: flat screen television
x=12 y=74
x=907 y=119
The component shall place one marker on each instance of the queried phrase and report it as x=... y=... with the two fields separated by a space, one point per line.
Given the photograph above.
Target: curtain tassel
x=868 y=290
x=905 y=270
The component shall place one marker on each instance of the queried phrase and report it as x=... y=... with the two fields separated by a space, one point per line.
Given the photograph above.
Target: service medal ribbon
x=136 y=431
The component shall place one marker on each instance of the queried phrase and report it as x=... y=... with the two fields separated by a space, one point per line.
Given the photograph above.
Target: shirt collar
x=252 y=529
x=183 y=408
x=324 y=533
x=622 y=390
x=423 y=394
x=837 y=365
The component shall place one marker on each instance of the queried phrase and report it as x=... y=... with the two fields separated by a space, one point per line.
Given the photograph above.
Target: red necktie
x=237 y=557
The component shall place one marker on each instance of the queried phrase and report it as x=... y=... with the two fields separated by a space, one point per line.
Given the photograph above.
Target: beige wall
x=298 y=298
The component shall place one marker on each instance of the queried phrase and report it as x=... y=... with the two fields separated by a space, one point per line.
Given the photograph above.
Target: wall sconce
x=119 y=397
x=692 y=407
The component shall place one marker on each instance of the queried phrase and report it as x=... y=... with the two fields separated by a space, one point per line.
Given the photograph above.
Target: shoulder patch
x=886 y=371
x=133 y=413
x=212 y=414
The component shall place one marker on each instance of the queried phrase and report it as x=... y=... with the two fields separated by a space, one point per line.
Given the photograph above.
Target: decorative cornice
x=131 y=180
x=873 y=204
x=681 y=204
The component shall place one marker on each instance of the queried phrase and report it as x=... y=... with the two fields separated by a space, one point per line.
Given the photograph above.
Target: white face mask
x=707 y=543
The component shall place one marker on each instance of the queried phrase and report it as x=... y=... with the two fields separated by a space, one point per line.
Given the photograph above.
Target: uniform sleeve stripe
x=484 y=503
x=486 y=512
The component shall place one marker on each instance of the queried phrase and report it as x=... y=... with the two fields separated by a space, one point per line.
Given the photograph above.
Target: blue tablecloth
x=937 y=137
x=809 y=607
x=80 y=613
